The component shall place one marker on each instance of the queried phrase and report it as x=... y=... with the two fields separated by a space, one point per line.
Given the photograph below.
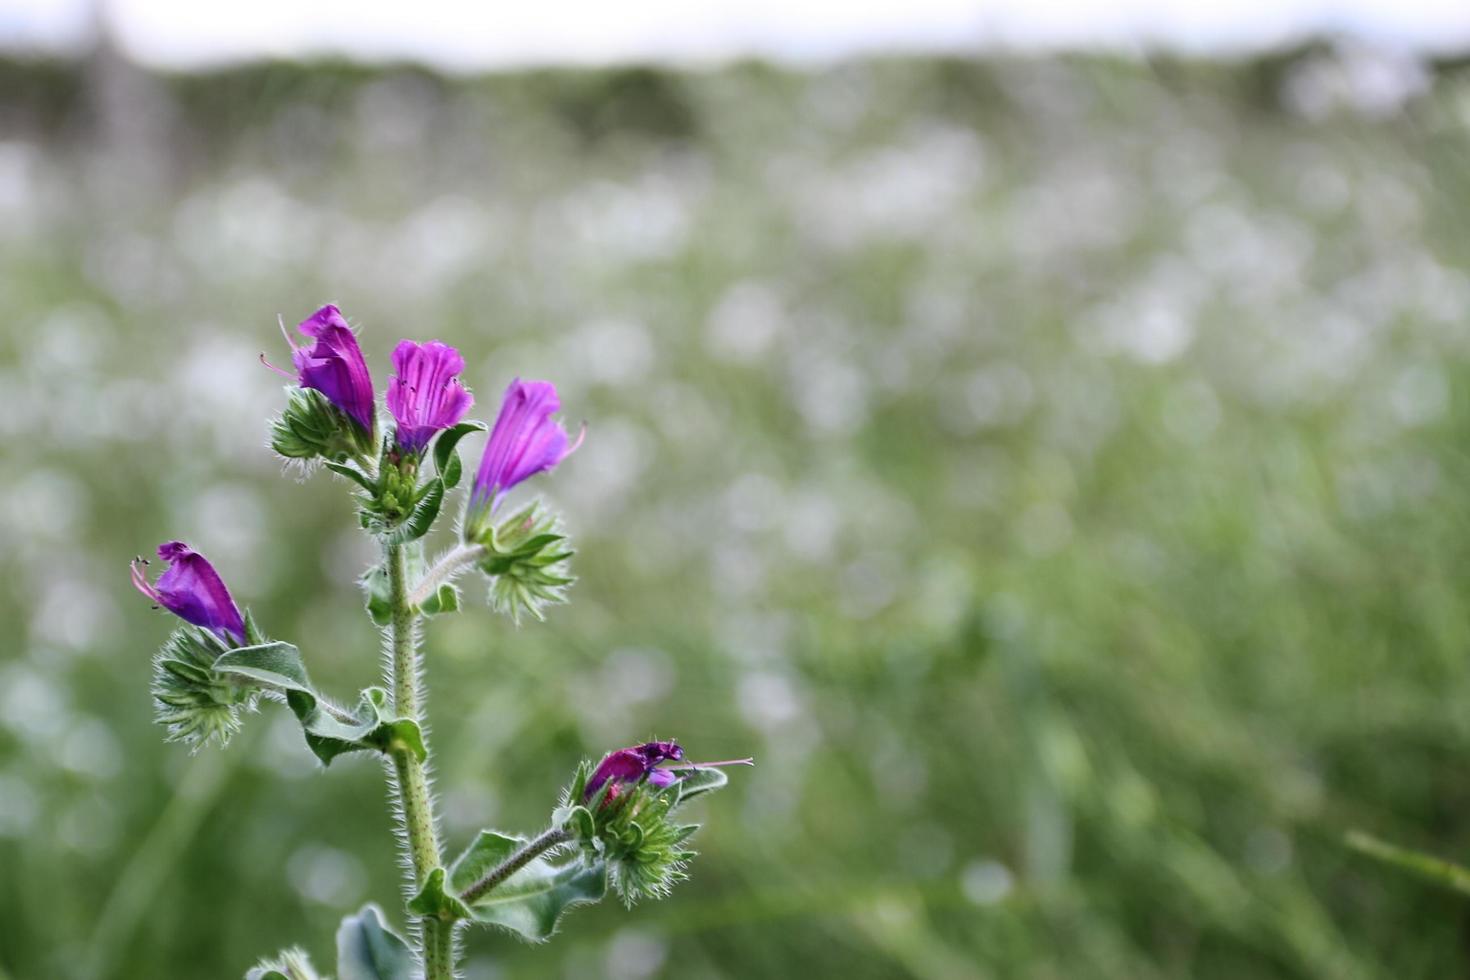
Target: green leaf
x=421 y=518
x=445 y=458
x=453 y=470
x=378 y=594
x=352 y=473
x=329 y=733
x=368 y=950
x=701 y=781
x=531 y=901
x=444 y=600
x=433 y=900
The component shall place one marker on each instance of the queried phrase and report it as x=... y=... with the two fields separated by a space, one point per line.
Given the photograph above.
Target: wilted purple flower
x=625 y=767
x=191 y=589
x=334 y=365
x=425 y=396
x=525 y=441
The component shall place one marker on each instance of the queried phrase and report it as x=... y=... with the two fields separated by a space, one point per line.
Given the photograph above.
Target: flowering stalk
x=416 y=803
x=213 y=670
x=547 y=841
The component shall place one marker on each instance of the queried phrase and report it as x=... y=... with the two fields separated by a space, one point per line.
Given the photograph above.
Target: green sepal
x=530 y=902
x=433 y=900
x=428 y=501
x=310 y=426
x=278 y=666
x=195 y=703
x=446 y=460
x=577 y=821
x=352 y=473
x=527 y=562
x=368 y=950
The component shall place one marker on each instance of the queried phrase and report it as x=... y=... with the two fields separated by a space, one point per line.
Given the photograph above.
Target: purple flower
x=425 y=396
x=191 y=589
x=525 y=441
x=334 y=365
x=626 y=767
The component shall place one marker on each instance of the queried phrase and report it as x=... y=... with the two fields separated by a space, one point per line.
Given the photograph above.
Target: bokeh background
x=1051 y=466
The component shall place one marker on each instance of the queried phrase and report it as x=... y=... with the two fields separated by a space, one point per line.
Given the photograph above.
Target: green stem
x=445 y=570
x=416 y=803
x=554 y=837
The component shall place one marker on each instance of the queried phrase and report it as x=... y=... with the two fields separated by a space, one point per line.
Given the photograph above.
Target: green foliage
x=434 y=900
x=377 y=592
x=368 y=950
x=446 y=457
x=530 y=902
x=330 y=731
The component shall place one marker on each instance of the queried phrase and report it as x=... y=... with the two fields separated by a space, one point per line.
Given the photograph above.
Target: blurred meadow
x=1054 y=470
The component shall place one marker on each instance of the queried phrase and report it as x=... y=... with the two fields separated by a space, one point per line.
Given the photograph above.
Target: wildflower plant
x=617 y=825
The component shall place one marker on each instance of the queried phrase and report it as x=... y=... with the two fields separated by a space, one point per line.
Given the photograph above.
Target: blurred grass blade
x=1426 y=866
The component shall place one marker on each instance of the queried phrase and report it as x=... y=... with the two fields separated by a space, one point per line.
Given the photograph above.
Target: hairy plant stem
x=496 y=875
x=416 y=803
x=444 y=570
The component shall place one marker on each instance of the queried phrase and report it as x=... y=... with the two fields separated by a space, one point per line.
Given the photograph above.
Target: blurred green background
x=1053 y=470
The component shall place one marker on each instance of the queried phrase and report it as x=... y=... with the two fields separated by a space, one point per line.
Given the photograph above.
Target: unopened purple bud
x=333 y=364
x=424 y=396
x=526 y=440
x=191 y=589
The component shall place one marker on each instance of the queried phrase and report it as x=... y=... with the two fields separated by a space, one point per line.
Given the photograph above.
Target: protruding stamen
x=286 y=333
x=573 y=447
x=284 y=374
x=748 y=761
x=140 y=579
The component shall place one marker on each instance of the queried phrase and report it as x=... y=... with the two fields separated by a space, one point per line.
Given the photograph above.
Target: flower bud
x=622 y=812
x=526 y=440
x=191 y=589
x=341 y=421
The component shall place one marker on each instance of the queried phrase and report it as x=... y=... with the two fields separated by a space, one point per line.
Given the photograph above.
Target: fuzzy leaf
x=433 y=900
x=700 y=781
x=444 y=600
x=453 y=471
x=378 y=594
x=445 y=458
x=278 y=665
x=531 y=901
x=368 y=950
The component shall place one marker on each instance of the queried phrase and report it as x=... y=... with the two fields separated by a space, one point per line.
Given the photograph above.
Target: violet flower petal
x=525 y=441
x=334 y=365
x=424 y=395
x=191 y=589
